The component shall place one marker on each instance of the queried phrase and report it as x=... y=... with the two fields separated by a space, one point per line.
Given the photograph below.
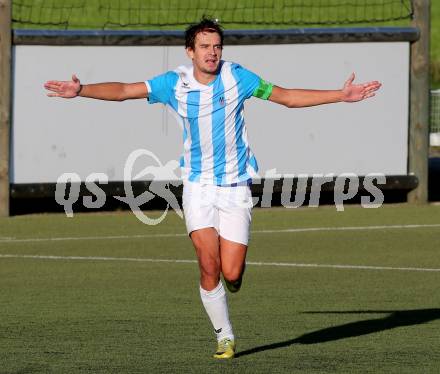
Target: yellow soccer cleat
x=225 y=349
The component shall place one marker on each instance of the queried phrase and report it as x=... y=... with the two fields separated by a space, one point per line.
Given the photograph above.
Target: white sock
x=216 y=306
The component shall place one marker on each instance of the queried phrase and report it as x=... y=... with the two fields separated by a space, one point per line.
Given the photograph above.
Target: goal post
x=418 y=148
x=5 y=103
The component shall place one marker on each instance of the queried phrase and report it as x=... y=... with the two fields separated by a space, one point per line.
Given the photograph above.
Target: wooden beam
x=232 y=37
x=5 y=103
x=419 y=103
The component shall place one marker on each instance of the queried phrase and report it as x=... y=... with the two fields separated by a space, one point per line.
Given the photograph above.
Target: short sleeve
x=161 y=87
x=249 y=81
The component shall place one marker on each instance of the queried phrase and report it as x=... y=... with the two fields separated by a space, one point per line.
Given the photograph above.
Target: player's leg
x=234 y=222
x=212 y=293
x=206 y=244
x=233 y=263
x=201 y=219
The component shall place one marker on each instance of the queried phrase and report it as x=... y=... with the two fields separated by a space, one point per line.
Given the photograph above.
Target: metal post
x=419 y=103
x=5 y=103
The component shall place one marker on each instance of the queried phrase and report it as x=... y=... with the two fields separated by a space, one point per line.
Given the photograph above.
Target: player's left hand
x=357 y=92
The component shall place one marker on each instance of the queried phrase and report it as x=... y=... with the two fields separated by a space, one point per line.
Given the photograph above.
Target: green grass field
x=103 y=293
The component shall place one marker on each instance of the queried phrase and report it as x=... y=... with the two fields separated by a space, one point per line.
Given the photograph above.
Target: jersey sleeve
x=248 y=80
x=161 y=88
x=252 y=84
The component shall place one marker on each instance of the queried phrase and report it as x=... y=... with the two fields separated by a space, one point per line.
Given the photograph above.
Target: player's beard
x=211 y=68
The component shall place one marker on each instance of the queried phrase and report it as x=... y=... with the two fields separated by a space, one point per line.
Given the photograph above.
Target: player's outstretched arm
x=297 y=98
x=113 y=91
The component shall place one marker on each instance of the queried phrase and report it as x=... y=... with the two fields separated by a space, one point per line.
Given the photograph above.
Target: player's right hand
x=65 y=89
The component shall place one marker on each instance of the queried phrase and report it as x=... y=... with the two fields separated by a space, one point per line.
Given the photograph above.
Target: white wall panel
x=54 y=136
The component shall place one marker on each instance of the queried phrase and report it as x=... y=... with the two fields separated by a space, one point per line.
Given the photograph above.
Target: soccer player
x=217 y=163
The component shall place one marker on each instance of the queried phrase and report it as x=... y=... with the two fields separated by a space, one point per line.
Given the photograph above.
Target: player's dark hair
x=206 y=24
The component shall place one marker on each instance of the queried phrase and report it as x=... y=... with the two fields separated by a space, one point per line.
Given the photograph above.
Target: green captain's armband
x=264 y=90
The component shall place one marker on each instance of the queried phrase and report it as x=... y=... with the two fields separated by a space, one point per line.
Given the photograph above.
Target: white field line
x=252 y=263
x=104 y=237
x=171 y=235
x=349 y=228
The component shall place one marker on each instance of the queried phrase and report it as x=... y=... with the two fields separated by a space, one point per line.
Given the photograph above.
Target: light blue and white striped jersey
x=215 y=142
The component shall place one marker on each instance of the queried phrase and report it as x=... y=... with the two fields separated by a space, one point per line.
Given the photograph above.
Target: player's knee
x=232 y=275
x=210 y=268
x=209 y=278
x=212 y=273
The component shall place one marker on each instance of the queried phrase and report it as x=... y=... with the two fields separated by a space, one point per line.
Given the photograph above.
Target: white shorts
x=226 y=208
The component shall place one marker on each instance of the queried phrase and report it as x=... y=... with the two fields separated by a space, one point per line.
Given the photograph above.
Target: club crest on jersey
x=222 y=101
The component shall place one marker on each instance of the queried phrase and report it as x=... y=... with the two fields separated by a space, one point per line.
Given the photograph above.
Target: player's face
x=207 y=52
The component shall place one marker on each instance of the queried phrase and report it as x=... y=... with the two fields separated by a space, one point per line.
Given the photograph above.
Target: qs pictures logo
x=161 y=176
